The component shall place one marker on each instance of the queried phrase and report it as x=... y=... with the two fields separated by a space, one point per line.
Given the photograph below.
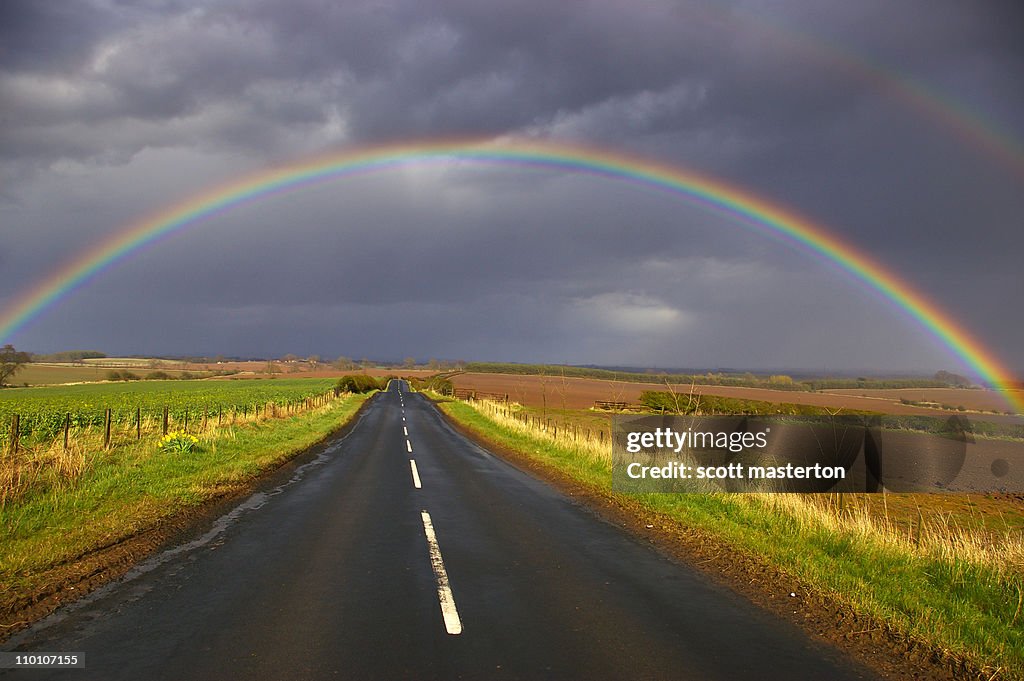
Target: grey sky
x=110 y=110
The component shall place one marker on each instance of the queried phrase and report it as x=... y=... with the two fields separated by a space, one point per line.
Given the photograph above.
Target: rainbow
x=737 y=203
x=970 y=126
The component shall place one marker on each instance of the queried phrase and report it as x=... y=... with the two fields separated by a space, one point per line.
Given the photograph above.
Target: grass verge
x=961 y=599
x=127 y=489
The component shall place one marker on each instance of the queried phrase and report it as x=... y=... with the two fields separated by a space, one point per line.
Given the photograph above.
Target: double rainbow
x=740 y=204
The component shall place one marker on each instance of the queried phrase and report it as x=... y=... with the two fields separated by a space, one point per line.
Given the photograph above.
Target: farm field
x=98 y=370
x=581 y=393
x=43 y=410
x=57 y=374
x=972 y=400
x=994 y=515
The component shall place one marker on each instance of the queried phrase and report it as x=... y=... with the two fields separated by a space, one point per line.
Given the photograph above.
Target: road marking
x=452 y=623
x=408 y=445
x=415 y=475
x=406 y=431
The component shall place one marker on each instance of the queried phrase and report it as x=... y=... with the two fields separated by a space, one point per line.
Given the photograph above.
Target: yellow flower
x=179 y=442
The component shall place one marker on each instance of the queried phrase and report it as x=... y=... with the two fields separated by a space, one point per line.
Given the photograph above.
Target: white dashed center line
x=408 y=445
x=452 y=623
x=415 y=475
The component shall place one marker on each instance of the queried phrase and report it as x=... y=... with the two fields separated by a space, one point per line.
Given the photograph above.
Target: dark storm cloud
x=50 y=34
x=112 y=109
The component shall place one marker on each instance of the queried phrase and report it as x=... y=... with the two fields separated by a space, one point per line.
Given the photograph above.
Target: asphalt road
x=362 y=565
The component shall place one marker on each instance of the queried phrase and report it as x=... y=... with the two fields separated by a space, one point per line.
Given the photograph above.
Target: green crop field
x=43 y=410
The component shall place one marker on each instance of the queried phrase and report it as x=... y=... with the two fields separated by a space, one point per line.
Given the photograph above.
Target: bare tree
x=563 y=387
x=520 y=388
x=672 y=392
x=693 y=407
x=544 y=393
x=616 y=388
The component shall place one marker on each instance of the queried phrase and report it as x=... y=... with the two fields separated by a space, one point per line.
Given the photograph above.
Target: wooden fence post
x=138 y=423
x=15 y=433
x=106 y=429
x=67 y=430
x=165 y=419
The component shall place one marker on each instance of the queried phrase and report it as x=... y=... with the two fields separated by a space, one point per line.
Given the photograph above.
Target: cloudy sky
x=896 y=125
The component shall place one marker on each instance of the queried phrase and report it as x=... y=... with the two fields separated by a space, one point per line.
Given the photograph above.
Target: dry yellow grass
x=935 y=536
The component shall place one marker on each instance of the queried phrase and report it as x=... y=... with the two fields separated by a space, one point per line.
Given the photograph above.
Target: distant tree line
x=942 y=379
x=68 y=356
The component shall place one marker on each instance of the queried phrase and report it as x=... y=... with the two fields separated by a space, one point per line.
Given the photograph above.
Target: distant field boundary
x=740 y=380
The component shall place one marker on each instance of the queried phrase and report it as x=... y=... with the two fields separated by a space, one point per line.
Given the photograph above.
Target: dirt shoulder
x=823 y=616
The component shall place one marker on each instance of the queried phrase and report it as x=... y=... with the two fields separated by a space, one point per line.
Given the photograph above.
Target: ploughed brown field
x=568 y=402
x=581 y=393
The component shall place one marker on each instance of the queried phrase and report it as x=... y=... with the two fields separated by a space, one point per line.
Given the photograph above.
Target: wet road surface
x=404 y=551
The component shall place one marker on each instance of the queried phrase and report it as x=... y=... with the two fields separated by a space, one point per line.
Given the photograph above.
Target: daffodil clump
x=179 y=442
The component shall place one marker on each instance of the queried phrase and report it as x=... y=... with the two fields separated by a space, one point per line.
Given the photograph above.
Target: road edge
x=89 y=571
x=822 y=616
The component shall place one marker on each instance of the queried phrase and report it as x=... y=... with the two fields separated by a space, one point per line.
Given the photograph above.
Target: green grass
x=43 y=409
x=135 y=486
x=964 y=604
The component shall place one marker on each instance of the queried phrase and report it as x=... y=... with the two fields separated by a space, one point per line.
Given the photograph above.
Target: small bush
x=435 y=383
x=358 y=383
